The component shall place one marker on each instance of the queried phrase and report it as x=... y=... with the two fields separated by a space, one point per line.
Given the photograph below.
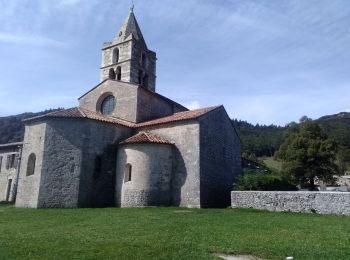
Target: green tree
x=343 y=159
x=307 y=152
x=263 y=181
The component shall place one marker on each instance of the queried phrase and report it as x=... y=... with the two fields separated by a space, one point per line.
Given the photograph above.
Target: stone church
x=125 y=145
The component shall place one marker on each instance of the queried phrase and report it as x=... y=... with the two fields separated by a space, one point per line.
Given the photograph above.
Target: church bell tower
x=127 y=57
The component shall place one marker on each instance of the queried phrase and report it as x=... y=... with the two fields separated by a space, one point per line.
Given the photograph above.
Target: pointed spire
x=130 y=28
x=132 y=6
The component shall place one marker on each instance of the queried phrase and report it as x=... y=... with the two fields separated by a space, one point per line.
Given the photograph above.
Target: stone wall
x=151 y=172
x=185 y=186
x=124 y=93
x=317 y=202
x=28 y=186
x=151 y=106
x=80 y=163
x=124 y=60
x=133 y=103
x=149 y=67
x=8 y=173
x=220 y=156
x=76 y=163
x=130 y=53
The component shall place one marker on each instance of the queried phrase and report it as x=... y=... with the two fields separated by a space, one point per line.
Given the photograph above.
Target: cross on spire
x=132 y=6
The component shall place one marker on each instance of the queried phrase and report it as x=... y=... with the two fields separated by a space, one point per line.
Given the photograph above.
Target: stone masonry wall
x=220 y=156
x=8 y=175
x=149 y=67
x=151 y=172
x=151 y=106
x=79 y=163
x=185 y=186
x=28 y=186
x=124 y=60
x=318 y=202
x=124 y=93
x=133 y=103
x=130 y=53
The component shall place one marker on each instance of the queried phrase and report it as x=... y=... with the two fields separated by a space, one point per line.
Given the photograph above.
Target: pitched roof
x=180 y=116
x=78 y=112
x=145 y=137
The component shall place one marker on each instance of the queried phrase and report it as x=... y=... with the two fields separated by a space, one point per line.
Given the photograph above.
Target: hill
x=262 y=140
x=337 y=127
x=257 y=140
x=12 y=128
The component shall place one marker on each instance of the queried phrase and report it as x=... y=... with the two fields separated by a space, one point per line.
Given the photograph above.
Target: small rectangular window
x=8 y=191
x=127 y=174
x=8 y=159
x=12 y=159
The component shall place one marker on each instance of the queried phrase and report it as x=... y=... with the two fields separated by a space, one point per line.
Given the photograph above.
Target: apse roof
x=145 y=137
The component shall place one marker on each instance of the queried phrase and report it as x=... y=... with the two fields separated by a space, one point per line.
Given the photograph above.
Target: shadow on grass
x=6 y=203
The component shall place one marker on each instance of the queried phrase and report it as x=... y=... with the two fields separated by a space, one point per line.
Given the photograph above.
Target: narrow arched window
x=31 y=164
x=115 y=56
x=143 y=60
x=127 y=173
x=145 y=81
x=140 y=77
x=98 y=167
x=119 y=73
x=111 y=74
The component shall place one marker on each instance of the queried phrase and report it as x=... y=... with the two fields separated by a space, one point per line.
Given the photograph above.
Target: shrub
x=258 y=181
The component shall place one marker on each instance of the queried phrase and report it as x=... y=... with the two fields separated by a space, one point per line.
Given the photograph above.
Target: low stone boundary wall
x=295 y=201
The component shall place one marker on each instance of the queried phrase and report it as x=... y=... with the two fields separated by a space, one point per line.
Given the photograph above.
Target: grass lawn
x=169 y=233
x=272 y=163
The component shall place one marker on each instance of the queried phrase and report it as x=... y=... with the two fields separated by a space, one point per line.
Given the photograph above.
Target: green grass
x=272 y=163
x=169 y=233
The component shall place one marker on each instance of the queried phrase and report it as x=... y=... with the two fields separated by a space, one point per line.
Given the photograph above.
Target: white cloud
x=193 y=105
x=29 y=40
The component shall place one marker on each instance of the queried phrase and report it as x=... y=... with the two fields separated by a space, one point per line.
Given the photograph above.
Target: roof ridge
x=82 y=112
x=146 y=137
x=146 y=134
x=179 y=116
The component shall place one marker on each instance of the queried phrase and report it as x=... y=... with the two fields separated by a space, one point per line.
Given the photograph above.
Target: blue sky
x=269 y=61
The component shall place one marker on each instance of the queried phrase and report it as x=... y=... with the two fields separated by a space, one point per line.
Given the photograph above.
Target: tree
x=263 y=181
x=307 y=152
x=343 y=159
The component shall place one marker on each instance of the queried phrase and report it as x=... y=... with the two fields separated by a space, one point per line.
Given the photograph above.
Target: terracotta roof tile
x=77 y=112
x=180 y=116
x=145 y=137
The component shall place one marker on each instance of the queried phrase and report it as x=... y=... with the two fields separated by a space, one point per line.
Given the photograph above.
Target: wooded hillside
x=257 y=140
x=12 y=128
